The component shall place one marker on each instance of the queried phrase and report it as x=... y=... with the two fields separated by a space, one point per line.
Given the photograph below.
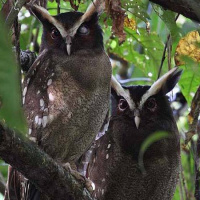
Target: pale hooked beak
x=68 y=43
x=137 y=118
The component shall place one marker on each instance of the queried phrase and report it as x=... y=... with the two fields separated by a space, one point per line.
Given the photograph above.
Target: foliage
x=142 y=51
x=11 y=113
x=147 y=143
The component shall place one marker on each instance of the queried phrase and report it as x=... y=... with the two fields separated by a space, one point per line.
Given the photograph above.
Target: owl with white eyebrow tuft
x=118 y=165
x=66 y=91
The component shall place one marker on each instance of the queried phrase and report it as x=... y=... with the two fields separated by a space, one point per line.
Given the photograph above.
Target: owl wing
x=17 y=184
x=84 y=160
x=95 y=162
x=38 y=78
x=99 y=164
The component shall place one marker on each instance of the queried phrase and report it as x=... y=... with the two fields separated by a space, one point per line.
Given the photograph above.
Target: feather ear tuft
x=41 y=13
x=165 y=84
x=47 y=20
x=97 y=6
x=120 y=91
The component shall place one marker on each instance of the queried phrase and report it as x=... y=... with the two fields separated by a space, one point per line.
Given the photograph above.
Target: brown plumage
x=66 y=91
x=115 y=164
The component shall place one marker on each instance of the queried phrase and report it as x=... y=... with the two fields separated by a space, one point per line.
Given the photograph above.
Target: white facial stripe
x=130 y=101
x=155 y=88
x=72 y=31
x=122 y=92
x=89 y=12
x=51 y=19
x=95 y=6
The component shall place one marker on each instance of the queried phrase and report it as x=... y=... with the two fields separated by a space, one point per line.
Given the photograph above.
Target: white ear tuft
x=95 y=6
x=165 y=83
x=43 y=15
x=122 y=92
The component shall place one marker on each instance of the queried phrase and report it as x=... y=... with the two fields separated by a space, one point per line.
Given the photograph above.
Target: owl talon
x=89 y=185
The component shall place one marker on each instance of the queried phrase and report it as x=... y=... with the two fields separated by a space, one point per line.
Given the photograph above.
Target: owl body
x=71 y=112
x=120 y=166
x=124 y=179
x=65 y=93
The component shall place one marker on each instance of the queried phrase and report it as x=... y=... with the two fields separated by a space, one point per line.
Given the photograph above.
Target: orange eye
x=55 y=33
x=123 y=105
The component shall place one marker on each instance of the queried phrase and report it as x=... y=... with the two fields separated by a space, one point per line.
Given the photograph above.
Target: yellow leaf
x=188 y=46
x=130 y=23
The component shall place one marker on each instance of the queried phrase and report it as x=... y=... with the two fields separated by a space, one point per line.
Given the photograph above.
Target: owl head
x=142 y=110
x=69 y=32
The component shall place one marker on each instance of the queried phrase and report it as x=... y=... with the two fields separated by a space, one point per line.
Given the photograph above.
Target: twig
x=163 y=57
x=184 y=183
x=164 y=52
x=39 y=168
x=14 y=12
x=35 y=43
x=2 y=184
x=197 y=172
x=58 y=6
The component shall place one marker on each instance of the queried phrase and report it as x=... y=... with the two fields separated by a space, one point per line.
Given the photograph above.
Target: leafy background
x=136 y=61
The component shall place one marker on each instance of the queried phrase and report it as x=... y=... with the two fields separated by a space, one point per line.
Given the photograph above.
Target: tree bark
x=187 y=8
x=49 y=177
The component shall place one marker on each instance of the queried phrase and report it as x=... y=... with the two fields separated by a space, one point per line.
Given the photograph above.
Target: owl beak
x=137 y=121
x=137 y=118
x=68 y=47
x=68 y=42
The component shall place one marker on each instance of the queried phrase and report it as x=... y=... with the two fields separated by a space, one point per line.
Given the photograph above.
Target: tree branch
x=43 y=171
x=14 y=12
x=193 y=116
x=188 y=8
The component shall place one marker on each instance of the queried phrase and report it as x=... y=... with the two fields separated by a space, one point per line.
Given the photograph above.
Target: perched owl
x=115 y=164
x=66 y=91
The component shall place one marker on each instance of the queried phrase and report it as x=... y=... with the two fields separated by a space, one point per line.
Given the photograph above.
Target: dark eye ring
x=83 y=30
x=123 y=105
x=55 y=33
x=151 y=104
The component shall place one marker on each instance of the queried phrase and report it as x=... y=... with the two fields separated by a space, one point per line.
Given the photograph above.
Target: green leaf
x=147 y=61
x=168 y=18
x=137 y=8
x=190 y=80
x=11 y=113
x=147 y=143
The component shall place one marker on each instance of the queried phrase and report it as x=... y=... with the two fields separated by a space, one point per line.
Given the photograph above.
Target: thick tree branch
x=188 y=8
x=44 y=172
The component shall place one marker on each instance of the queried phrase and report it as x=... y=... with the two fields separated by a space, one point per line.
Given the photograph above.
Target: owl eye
x=55 y=33
x=151 y=104
x=83 y=30
x=123 y=105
